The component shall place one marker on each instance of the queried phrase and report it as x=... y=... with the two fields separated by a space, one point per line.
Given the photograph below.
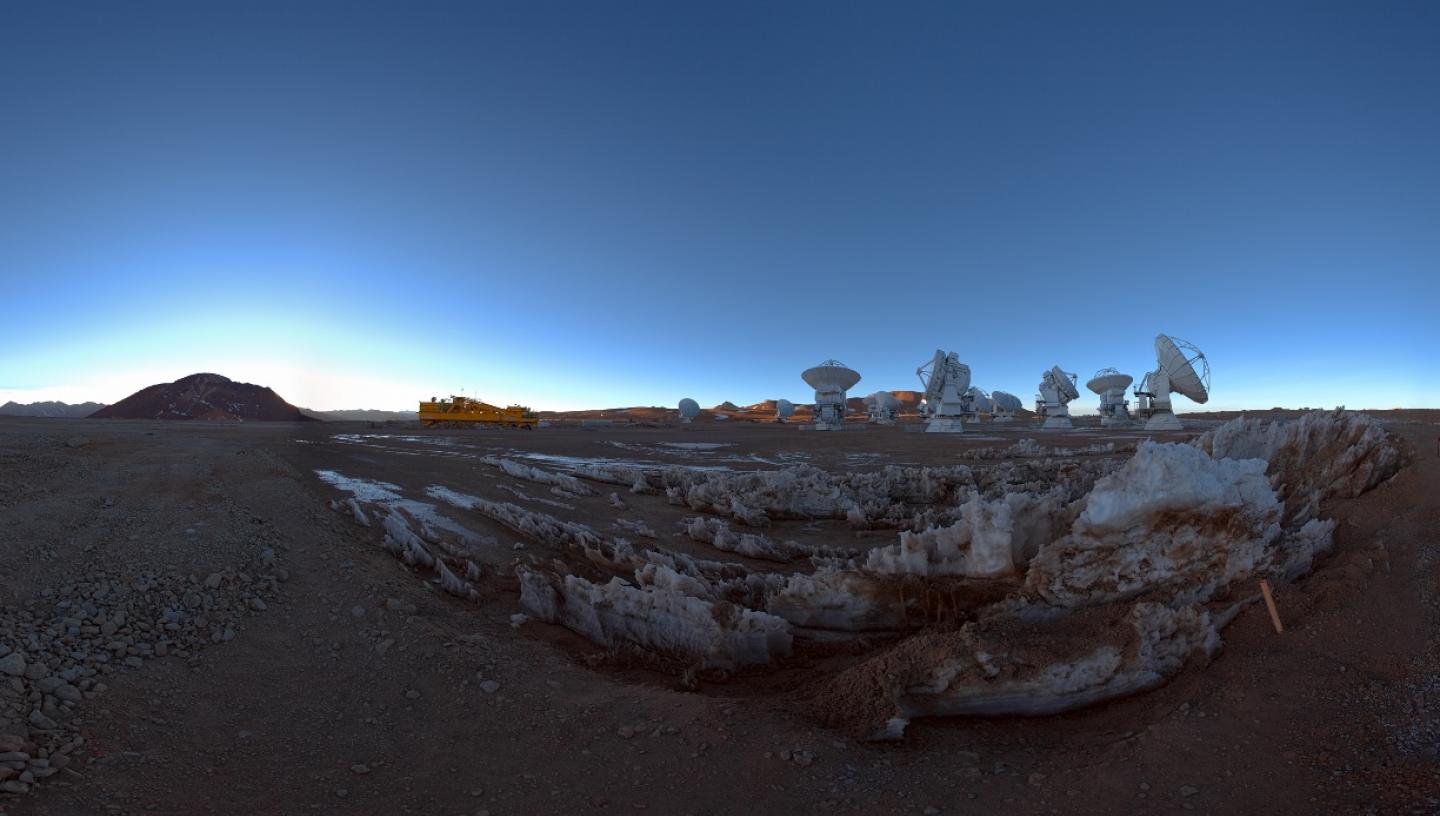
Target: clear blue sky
x=596 y=204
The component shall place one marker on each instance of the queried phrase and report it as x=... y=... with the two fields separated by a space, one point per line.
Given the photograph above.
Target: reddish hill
x=204 y=396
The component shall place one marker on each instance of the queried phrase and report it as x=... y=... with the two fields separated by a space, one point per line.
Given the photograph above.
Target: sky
x=584 y=204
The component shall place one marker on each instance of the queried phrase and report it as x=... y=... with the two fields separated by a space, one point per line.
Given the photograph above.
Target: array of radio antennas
x=945 y=381
x=1057 y=389
x=1181 y=368
x=831 y=379
x=948 y=398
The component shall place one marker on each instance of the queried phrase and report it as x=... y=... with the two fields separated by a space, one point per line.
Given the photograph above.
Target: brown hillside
x=204 y=396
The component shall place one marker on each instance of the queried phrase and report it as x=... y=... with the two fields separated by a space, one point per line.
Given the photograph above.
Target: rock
x=360 y=768
x=134 y=662
x=384 y=646
x=42 y=722
x=257 y=604
x=68 y=693
x=11 y=742
x=358 y=611
x=397 y=605
x=802 y=757
x=14 y=756
x=1188 y=790
x=489 y=686
x=13 y=664
x=625 y=732
x=412 y=694
x=77 y=442
x=14 y=786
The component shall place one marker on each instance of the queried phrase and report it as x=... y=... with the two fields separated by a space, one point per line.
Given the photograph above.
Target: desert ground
x=217 y=618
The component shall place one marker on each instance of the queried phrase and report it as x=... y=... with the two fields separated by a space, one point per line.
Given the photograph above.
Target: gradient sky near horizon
x=602 y=204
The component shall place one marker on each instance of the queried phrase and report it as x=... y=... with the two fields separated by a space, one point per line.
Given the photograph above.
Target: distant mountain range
x=362 y=415
x=204 y=396
x=50 y=409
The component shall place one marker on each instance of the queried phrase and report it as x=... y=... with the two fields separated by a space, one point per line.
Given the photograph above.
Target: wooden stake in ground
x=1270 y=605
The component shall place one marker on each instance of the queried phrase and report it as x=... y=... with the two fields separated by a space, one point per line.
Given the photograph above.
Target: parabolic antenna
x=689 y=409
x=1181 y=367
x=980 y=401
x=831 y=379
x=1057 y=388
x=1107 y=378
x=946 y=380
x=1005 y=405
x=1110 y=384
x=1065 y=381
x=1179 y=360
x=882 y=407
x=831 y=375
x=784 y=409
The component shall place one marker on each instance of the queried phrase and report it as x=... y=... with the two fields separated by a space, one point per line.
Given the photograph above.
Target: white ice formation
x=992 y=539
x=1171 y=519
x=519 y=470
x=1048 y=579
x=719 y=634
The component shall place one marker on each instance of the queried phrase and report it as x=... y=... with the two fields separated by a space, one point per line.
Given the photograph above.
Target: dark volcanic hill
x=50 y=409
x=204 y=396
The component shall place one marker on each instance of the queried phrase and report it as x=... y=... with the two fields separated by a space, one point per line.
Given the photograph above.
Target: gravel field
x=212 y=618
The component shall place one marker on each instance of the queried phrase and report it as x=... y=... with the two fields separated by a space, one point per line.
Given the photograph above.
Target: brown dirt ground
x=1340 y=714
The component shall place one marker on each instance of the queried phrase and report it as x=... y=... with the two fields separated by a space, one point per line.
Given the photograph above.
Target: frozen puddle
x=365 y=490
x=573 y=463
x=698 y=446
x=387 y=497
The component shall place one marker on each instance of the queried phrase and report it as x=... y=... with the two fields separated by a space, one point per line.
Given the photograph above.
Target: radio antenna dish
x=1110 y=384
x=689 y=409
x=945 y=380
x=1181 y=368
x=882 y=406
x=980 y=402
x=831 y=379
x=784 y=409
x=1005 y=404
x=1057 y=389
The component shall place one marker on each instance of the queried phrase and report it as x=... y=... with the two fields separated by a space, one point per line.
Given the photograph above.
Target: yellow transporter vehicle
x=460 y=412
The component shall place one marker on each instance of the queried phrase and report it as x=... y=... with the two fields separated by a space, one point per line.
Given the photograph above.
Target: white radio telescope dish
x=831 y=379
x=1005 y=404
x=1057 y=388
x=1110 y=384
x=689 y=409
x=946 y=381
x=980 y=402
x=1181 y=368
x=784 y=409
x=882 y=408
